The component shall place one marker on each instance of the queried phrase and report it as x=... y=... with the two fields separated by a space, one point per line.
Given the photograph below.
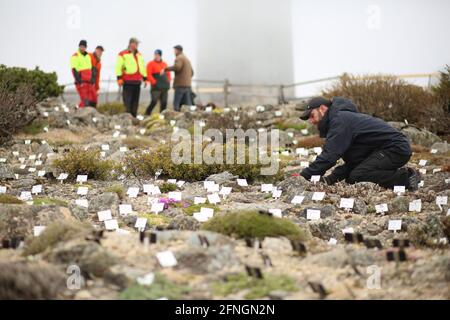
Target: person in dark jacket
x=372 y=150
x=160 y=83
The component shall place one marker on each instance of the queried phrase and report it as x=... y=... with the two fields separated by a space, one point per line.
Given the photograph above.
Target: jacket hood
x=338 y=104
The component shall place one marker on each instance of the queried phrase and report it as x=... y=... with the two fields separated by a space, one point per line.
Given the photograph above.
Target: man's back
x=183 y=71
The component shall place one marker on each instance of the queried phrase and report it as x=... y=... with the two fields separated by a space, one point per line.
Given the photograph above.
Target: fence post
x=281 y=99
x=225 y=92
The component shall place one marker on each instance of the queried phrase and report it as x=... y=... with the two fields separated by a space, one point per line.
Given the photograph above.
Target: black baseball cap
x=83 y=43
x=178 y=47
x=314 y=103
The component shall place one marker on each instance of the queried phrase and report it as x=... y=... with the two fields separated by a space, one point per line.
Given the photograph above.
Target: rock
x=221 y=178
x=103 y=201
x=44 y=149
x=207 y=260
x=292 y=186
x=325 y=229
x=6 y=172
x=359 y=207
x=89 y=256
x=25 y=183
x=415 y=135
x=30 y=280
x=441 y=147
x=19 y=220
x=184 y=222
x=279 y=245
x=80 y=213
x=399 y=204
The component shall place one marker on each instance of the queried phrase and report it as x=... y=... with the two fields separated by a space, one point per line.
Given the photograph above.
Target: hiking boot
x=414 y=179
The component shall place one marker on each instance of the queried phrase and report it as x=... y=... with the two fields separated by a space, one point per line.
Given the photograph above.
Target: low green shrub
x=252 y=224
x=44 y=84
x=111 y=108
x=390 y=98
x=81 y=162
x=35 y=127
x=167 y=187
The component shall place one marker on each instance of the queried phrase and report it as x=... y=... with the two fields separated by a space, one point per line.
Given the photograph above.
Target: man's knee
x=356 y=176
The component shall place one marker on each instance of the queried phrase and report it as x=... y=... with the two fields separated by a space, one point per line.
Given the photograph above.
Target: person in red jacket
x=96 y=58
x=160 y=83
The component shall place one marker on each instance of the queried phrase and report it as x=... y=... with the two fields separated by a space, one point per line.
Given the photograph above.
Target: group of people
x=131 y=72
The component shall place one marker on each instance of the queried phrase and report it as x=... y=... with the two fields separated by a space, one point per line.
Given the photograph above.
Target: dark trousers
x=157 y=95
x=383 y=167
x=130 y=94
x=183 y=96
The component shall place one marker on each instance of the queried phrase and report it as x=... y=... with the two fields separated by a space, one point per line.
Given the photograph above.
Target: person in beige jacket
x=183 y=78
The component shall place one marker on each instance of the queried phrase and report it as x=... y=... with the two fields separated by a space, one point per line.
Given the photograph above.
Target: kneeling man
x=372 y=150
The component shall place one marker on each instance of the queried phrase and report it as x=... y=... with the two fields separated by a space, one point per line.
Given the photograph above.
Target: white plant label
x=297 y=199
x=395 y=225
x=380 y=208
x=276 y=193
x=2 y=189
x=104 y=215
x=37 y=230
x=25 y=196
x=266 y=187
x=318 y=196
x=423 y=163
x=415 y=206
x=166 y=259
x=399 y=189
x=315 y=179
x=82 y=191
x=175 y=195
x=242 y=182
x=276 y=213
x=140 y=223
x=347 y=203
x=82 y=178
x=111 y=225
x=36 y=189
x=199 y=200
x=312 y=214
x=157 y=207
x=213 y=198
x=125 y=209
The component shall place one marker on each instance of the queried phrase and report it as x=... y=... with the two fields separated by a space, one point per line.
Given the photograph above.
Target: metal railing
x=224 y=90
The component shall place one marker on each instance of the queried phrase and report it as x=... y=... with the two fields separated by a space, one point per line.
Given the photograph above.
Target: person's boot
x=414 y=179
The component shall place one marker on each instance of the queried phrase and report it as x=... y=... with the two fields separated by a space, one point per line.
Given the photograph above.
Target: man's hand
x=162 y=72
x=120 y=82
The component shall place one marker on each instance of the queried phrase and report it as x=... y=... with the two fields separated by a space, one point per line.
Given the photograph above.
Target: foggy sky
x=327 y=37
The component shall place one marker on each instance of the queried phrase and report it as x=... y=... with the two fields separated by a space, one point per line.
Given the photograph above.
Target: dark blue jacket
x=352 y=136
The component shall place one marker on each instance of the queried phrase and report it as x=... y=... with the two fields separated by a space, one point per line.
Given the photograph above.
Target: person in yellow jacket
x=82 y=71
x=130 y=72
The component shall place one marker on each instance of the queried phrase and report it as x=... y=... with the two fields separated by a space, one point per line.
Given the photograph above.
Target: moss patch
x=196 y=208
x=254 y=225
x=49 y=202
x=155 y=220
x=257 y=288
x=160 y=288
x=9 y=199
